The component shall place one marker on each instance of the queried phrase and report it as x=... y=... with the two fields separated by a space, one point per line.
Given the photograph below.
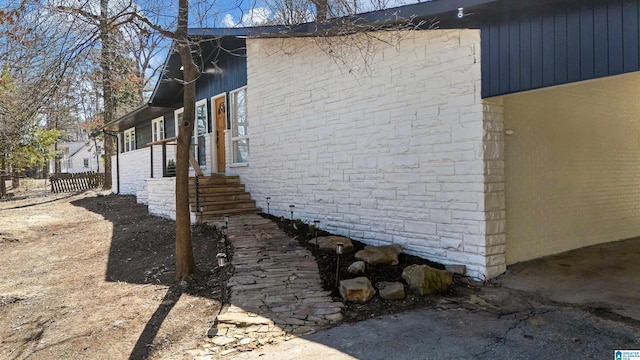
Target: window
x=239 y=126
x=130 y=139
x=157 y=129
x=200 y=129
x=177 y=118
x=85 y=162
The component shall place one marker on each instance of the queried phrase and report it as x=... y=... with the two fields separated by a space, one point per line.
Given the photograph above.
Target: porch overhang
x=144 y=112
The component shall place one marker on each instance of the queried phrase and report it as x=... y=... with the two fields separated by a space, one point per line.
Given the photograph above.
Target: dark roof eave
x=387 y=17
x=144 y=112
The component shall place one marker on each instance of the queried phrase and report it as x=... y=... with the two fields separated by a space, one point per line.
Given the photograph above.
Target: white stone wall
x=162 y=198
x=387 y=150
x=572 y=166
x=135 y=169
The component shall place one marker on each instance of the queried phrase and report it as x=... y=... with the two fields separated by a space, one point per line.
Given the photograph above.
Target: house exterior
x=506 y=134
x=78 y=157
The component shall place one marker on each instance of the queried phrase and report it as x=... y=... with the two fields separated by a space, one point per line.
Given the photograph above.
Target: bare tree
x=287 y=12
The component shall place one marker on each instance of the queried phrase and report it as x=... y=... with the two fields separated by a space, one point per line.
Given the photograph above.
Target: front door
x=220 y=109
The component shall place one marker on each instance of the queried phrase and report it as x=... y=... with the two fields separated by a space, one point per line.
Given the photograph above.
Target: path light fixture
x=226 y=220
x=222 y=261
x=316 y=227
x=291 y=207
x=268 y=200
x=339 y=247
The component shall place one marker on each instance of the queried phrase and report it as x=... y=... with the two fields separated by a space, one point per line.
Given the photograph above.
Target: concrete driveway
x=603 y=278
x=583 y=304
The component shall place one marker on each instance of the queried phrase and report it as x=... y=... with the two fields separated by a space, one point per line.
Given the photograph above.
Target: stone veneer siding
x=398 y=149
x=135 y=170
x=162 y=198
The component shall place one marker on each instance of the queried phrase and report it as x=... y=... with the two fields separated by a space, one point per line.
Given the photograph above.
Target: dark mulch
x=327 y=263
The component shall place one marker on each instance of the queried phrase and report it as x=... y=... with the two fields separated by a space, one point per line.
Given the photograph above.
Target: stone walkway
x=275 y=289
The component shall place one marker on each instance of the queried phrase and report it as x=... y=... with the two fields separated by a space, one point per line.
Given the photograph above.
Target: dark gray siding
x=524 y=50
x=230 y=64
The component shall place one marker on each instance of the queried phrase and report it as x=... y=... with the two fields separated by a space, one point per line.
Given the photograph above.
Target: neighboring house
x=78 y=157
x=505 y=135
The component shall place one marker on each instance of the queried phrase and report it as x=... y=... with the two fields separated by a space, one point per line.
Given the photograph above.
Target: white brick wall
x=391 y=151
x=572 y=166
x=162 y=198
x=134 y=169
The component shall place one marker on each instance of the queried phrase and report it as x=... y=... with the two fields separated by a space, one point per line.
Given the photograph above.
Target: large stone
x=456 y=269
x=391 y=290
x=380 y=255
x=357 y=290
x=426 y=280
x=242 y=319
x=357 y=267
x=329 y=243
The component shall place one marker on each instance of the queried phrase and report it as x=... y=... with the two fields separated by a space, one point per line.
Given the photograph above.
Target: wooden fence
x=76 y=182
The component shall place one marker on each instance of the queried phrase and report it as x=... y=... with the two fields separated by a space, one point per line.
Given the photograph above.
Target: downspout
x=117 y=158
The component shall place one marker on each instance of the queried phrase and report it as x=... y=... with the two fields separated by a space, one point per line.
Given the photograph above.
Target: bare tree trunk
x=322 y=9
x=107 y=89
x=185 y=265
x=15 y=180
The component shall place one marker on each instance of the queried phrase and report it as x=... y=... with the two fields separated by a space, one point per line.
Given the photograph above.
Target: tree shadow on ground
x=142 y=252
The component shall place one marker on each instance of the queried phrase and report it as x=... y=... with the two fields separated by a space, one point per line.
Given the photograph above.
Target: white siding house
x=77 y=157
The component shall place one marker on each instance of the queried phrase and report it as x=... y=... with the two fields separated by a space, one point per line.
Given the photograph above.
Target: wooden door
x=220 y=109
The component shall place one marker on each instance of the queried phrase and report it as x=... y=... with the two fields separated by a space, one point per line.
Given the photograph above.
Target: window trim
x=161 y=133
x=233 y=122
x=195 y=134
x=131 y=145
x=175 y=119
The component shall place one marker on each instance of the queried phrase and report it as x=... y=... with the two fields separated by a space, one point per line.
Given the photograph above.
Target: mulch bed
x=327 y=261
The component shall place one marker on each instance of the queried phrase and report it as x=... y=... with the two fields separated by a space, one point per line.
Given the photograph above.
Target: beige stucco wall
x=572 y=166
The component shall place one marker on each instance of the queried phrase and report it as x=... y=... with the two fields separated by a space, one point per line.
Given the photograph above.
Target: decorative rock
x=242 y=319
x=391 y=290
x=380 y=255
x=426 y=280
x=223 y=340
x=329 y=243
x=357 y=290
x=357 y=267
x=456 y=269
x=334 y=317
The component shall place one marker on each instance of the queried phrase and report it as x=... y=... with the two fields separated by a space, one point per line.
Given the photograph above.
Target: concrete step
x=215 y=180
x=216 y=189
x=215 y=215
x=219 y=197
x=224 y=205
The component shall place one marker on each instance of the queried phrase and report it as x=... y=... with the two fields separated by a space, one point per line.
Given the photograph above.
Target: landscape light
x=316 y=225
x=339 y=247
x=222 y=259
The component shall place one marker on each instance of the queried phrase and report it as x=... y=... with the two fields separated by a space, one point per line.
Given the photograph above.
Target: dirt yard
x=91 y=276
x=78 y=281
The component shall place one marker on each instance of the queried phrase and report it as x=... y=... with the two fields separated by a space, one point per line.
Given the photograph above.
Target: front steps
x=217 y=195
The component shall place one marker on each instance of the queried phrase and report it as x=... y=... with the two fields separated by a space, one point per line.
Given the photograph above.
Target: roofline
x=386 y=17
x=119 y=119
